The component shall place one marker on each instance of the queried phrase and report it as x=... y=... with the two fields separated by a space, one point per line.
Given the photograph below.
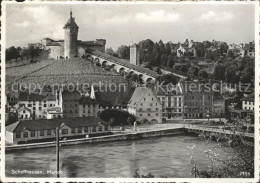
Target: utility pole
x=57 y=152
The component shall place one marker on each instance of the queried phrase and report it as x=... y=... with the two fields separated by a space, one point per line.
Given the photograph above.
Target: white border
x=257 y=88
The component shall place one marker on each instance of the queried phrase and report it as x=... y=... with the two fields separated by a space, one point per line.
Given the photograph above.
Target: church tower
x=71 y=36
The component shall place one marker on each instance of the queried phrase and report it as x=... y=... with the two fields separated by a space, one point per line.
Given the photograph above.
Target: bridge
x=198 y=128
x=122 y=66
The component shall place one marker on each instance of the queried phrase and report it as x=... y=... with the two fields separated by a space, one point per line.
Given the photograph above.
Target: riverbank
x=109 y=138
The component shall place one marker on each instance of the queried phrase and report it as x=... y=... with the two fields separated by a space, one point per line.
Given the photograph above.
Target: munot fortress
x=70 y=47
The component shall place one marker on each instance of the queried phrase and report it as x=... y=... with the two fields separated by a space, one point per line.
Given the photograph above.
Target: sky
x=126 y=24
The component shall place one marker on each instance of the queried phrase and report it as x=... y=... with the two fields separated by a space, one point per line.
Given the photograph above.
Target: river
x=161 y=156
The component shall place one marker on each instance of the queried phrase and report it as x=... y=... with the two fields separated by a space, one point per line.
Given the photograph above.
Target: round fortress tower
x=71 y=37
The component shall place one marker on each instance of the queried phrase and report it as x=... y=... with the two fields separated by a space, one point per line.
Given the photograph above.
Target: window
x=140 y=109
x=100 y=128
x=156 y=114
x=21 y=116
x=73 y=130
x=141 y=104
x=76 y=105
x=64 y=131
x=29 y=105
x=71 y=111
x=34 y=108
x=40 y=108
x=94 y=129
x=84 y=106
x=79 y=130
x=25 y=134
x=148 y=114
x=42 y=133
x=148 y=109
x=151 y=104
x=23 y=111
x=140 y=114
x=156 y=109
x=33 y=134
x=48 y=132
x=144 y=99
x=86 y=129
x=152 y=98
x=76 y=111
x=18 y=135
x=44 y=105
x=26 y=116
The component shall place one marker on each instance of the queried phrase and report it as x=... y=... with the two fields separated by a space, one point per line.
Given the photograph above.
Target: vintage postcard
x=130 y=91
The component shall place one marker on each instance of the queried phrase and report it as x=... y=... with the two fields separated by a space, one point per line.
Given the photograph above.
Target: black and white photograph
x=136 y=90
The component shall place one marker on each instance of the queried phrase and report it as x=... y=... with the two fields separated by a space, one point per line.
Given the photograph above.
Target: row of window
x=63 y=131
x=198 y=109
x=148 y=109
x=151 y=104
x=174 y=110
x=249 y=103
x=156 y=114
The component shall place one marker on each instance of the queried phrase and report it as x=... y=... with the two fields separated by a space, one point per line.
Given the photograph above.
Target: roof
x=87 y=100
x=25 y=96
x=71 y=22
x=119 y=97
x=138 y=95
x=47 y=124
x=67 y=95
x=24 y=108
x=163 y=90
x=249 y=46
x=250 y=98
x=53 y=44
x=124 y=62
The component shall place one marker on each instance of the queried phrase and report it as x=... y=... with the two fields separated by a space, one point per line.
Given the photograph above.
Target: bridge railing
x=212 y=129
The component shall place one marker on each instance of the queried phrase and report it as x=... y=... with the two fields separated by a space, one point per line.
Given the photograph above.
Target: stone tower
x=71 y=36
x=135 y=54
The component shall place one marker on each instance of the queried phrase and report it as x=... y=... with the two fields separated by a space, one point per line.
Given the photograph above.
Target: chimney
x=135 y=54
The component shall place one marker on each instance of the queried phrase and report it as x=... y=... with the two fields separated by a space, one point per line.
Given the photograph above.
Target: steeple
x=70 y=12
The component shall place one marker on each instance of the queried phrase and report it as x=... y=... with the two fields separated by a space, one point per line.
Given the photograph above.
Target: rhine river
x=161 y=156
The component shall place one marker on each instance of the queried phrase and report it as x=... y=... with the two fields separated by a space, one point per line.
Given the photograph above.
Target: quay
x=155 y=130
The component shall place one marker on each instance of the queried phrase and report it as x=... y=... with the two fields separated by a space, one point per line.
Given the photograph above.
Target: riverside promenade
x=142 y=131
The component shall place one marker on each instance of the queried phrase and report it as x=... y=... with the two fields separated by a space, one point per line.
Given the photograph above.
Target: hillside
x=47 y=72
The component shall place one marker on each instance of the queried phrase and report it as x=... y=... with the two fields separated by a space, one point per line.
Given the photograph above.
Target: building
x=24 y=113
x=70 y=47
x=135 y=54
x=88 y=107
x=198 y=101
x=30 y=131
x=187 y=49
x=248 y=102
x=172 y=103
x=36 y=103
x=71 y=103
x=145 y=105
x=248 y=50
x=218 y=108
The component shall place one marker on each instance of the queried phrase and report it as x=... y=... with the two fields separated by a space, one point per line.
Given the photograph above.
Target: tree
x=203 y=74
x=110 y=51
x=155 y=55
x=247 y=74
x=123 y=52
x=117 y=117
x=219 y=71
x=230 y=75
x=193 y=71
x=167 y=79
x=240 y=155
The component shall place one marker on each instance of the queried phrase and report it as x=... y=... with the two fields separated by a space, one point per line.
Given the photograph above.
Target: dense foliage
x=117 y=117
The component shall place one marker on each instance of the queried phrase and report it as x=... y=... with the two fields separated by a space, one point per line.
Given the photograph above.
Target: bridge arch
x=104 y=63
x=148 y=80
x=97 y=60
